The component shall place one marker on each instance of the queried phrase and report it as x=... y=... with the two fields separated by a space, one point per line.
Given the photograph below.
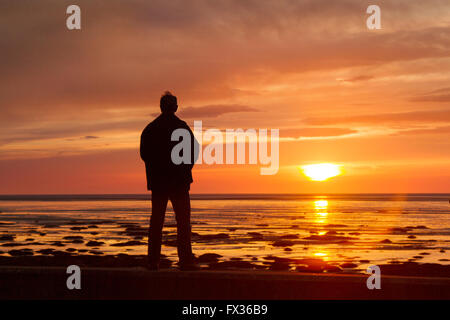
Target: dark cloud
x=69 y=130
x=442 y=90
x=127 y=53
x=358 y=78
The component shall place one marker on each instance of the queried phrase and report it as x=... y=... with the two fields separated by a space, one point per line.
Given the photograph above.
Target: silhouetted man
x=168 y=180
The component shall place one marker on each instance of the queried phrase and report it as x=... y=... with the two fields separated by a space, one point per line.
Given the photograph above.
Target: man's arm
x=145 y=146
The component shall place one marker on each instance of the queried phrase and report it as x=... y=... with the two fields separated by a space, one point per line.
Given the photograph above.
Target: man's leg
x=182 y=206
x=159 y=205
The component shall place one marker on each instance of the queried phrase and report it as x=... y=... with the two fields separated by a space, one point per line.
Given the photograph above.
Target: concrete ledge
x=138 y=283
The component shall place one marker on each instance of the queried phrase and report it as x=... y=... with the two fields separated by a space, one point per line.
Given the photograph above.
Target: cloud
x=315 y=132
x=219 y=55
x=437 y=130
x=72 y=130
x=432 y=116
x=137 y=49
x=212 y=111
x=440 y=95
x=357 y=78
x=447 y=90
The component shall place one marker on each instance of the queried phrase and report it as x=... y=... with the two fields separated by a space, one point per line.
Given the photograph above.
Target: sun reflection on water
x=322 y=254
x=321 y=207
x=321 y=204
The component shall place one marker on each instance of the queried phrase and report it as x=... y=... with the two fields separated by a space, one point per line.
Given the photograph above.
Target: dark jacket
x=155 y=150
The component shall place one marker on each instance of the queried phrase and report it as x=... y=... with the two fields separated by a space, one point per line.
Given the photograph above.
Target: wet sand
x=314 y=247
x=210 y=262
x=125 y=277
x=271 y=249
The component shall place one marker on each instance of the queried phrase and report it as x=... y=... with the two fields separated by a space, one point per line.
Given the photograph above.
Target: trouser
x=182 y=207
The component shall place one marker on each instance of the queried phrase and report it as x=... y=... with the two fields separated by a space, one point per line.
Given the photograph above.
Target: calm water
x=336 y=228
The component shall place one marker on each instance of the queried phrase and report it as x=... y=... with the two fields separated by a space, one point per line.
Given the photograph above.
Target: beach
x=311 y=240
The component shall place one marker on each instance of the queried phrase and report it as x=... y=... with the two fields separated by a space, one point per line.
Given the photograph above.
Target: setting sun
x=321 y=171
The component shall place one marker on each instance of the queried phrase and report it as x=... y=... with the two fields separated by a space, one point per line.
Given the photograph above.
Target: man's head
x=168 y=103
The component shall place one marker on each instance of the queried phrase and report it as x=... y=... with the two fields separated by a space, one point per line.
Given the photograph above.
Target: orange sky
x=377 y=102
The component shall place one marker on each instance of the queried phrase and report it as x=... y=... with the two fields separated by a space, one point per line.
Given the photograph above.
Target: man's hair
x=168 y=102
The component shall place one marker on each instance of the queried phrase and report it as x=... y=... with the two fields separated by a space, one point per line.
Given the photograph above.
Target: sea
x=358 y=229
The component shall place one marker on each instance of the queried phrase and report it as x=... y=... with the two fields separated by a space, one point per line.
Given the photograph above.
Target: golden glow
x=321 y=171
x=320 y=254
x=320 y=204
x=321 y=207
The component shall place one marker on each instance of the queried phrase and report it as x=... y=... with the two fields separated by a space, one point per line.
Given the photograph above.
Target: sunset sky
x=376 y=102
